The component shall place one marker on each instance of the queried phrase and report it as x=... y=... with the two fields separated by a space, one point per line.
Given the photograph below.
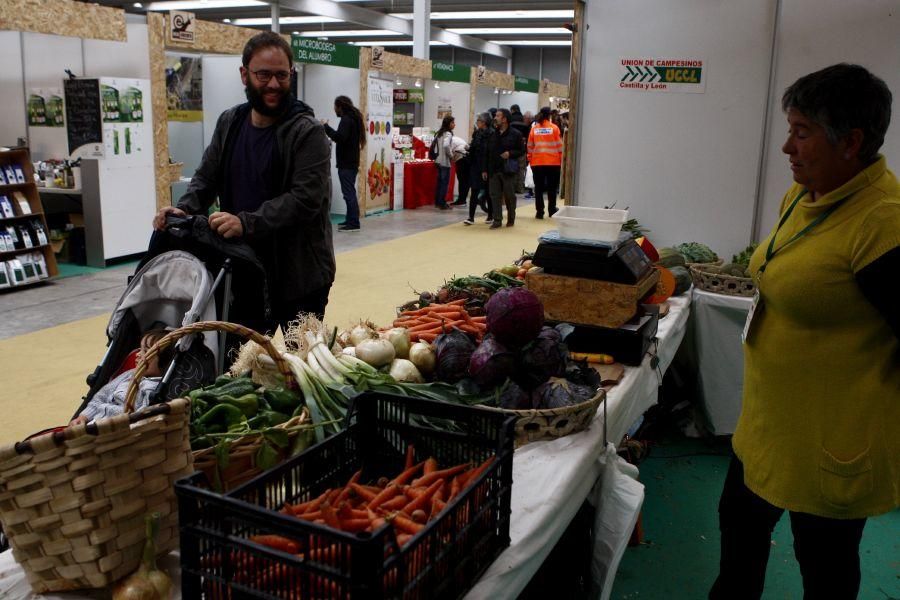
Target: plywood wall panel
x=64 y=17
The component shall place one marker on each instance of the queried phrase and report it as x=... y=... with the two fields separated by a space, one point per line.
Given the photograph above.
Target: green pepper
x=233 y=387
x=267 y=418
x=220 y=414
x=281 y=400
x=201 y=443
x=248 y=403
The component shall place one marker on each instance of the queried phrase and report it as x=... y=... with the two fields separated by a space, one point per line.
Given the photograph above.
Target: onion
x=421 y=355
x=404 y=371
x=376 y=352
x=399 y=338
x=349 y=351
x=360 y=333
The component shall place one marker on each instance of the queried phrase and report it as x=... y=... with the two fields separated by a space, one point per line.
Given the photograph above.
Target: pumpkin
x=664 y=287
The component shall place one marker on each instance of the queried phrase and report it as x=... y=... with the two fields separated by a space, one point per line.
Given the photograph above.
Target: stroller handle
x=199 y=327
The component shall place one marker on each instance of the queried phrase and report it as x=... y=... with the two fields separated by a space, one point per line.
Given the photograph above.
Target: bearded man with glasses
x=269 y=167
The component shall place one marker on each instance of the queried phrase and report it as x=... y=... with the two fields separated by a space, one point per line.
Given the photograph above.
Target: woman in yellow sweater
x=818 y=432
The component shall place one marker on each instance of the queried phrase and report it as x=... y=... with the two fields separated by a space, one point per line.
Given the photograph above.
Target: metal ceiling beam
x=377 y=20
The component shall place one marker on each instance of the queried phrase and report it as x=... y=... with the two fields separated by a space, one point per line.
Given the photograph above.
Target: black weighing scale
x=621 y=261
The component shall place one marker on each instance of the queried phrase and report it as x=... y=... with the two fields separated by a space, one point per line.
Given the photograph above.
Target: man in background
x=504 y=147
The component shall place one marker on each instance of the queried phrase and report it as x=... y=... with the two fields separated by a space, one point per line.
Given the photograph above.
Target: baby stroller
x=184 y=278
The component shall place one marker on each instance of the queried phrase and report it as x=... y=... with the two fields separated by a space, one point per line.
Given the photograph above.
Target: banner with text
x=322 y=52
x=662 y=75
x=378 y=144
x=524 y=84
x=450 y=72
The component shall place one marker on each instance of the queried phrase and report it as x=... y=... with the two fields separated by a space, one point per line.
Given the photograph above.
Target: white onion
x=399 y=337
x=361 y=333
x=422 y=356
x=349 y=351
x=376 y=352
x=404 y=371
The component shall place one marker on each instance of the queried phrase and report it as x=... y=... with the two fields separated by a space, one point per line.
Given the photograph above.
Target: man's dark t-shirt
x=251 y=169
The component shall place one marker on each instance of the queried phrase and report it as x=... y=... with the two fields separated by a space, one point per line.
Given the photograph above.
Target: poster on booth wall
x=184 y=88
x=378 y=144
x=45 y=108
x=127 y=134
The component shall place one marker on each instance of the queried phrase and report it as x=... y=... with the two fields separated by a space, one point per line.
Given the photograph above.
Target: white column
x=421 y=28
x=276 y=17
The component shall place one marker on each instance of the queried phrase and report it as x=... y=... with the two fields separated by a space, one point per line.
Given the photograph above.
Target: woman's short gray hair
x=841 y=98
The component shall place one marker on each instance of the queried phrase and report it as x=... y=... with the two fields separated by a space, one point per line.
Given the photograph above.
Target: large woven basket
x=241 y=465
x=711 y=279
x=551 y=423
x=72 y=502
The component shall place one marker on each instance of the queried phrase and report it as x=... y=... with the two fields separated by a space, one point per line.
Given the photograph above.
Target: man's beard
x=255 y=97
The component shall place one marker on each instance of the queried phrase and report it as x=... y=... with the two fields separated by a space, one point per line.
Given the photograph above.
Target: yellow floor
x=44 y=372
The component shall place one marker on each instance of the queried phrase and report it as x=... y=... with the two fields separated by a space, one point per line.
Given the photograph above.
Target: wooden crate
x=588 y=301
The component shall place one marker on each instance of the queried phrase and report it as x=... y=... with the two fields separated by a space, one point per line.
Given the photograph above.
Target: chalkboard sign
x=83 y=119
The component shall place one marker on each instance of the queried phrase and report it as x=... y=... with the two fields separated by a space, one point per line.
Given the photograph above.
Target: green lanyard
x=772 y=251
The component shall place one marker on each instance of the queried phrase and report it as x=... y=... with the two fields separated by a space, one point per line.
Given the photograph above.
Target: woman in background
x=442 y=148
x=350 y=138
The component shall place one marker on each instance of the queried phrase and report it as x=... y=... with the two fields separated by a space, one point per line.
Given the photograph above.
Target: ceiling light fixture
x=138 y=5
x=398 y=83
x=532 y=42
x=511 y=31
x=437 y=85
x=389 y=43
x=353 y=33
x=254 y=21
x=418 y=83
x=226 y=20
x=202 y=4
x=493 y=14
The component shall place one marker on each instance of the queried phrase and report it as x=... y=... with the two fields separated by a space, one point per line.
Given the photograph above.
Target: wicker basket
x=242 y=451
x=552 y=423
x=711 y=279
x=73 y=502
x=715 y=263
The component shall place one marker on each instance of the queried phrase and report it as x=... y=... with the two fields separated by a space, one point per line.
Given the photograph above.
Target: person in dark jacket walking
x=477 y=153
x=269 y=166
x=350 y=137
x=501 y=167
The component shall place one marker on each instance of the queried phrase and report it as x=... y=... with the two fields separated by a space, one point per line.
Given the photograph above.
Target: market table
x=717 y=321
x=551 y=479
x=420 y=181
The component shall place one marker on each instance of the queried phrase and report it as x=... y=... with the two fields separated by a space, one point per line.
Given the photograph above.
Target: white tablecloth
x=716 y=325
x=551 y=479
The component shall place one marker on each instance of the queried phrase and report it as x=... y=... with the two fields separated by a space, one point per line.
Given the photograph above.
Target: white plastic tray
x=585 y=223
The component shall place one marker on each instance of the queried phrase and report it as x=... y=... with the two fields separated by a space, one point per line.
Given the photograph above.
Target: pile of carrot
x=425 y=324
x=408 y=501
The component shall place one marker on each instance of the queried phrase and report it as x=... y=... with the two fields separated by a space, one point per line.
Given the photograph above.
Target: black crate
x=441 y=561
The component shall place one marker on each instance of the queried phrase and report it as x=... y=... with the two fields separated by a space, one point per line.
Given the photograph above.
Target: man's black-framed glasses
x=264 y=76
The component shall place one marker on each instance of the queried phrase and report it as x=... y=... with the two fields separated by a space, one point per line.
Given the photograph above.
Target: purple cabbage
x=512 y=397
x=491 y=363
x=452 y=352
x=515 y=316
x=559 y=393
x=540 y=360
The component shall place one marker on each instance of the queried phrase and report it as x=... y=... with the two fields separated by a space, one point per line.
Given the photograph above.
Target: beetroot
x=515 y=316
x=491 y=363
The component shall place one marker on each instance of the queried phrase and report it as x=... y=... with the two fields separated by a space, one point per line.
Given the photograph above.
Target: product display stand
x=25 y=253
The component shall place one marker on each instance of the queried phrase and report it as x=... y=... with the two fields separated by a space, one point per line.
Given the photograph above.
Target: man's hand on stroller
x=159 y=221
x=226 y=224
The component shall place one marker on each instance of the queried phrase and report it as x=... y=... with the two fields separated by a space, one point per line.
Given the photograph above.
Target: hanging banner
x=377 y=61
x=322 y=52
x=378 y=144
x=524 y=84
x=449 y=72
x=661 y=75
x=416 y=96
x=480 y=73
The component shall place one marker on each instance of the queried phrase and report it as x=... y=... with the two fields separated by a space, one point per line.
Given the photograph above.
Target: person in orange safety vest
x=545 y=150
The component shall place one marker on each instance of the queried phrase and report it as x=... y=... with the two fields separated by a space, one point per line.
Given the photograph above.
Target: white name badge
x=748 y=325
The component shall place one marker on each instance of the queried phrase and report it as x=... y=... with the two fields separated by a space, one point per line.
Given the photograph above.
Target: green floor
x=680 y=552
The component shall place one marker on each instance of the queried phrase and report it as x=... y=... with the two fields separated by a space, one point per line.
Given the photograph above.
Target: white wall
x=485 y=99
x=119 y=59
x=814 y=34
x=45 y=59
x=13 y=123
x=321 y=84
x=222 y=89
x=685 y=164
x=527 y=101
x=457 y=95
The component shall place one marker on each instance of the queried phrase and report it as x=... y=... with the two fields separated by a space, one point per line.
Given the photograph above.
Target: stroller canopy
x=170 y=288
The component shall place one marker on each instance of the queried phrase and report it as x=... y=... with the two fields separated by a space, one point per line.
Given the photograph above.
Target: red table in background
x=420 y=181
